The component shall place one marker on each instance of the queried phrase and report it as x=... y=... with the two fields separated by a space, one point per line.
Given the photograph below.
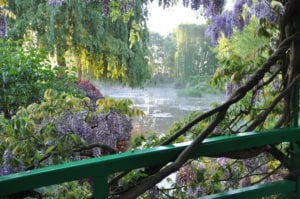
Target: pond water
x=161 y=105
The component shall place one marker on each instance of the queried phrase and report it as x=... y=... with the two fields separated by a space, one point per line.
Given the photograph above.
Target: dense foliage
x=235 y=62
x=45 y=120
x=26 y=74
x=103 y=39
x=64 y=128
x=263 y=97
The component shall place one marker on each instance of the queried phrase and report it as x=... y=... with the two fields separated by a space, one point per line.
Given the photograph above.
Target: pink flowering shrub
x=90 y=90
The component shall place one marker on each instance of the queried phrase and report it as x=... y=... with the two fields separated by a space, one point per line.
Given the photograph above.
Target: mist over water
x=161 y=105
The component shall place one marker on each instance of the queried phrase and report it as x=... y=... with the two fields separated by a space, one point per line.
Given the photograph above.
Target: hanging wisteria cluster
x=3 y=26
x=223 y=22
x=55 y=2
x=108 y=129
x=7 y=165
x=263 y=10
x=123 y=6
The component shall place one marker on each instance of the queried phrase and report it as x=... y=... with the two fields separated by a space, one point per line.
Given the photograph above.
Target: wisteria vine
x=223 y=22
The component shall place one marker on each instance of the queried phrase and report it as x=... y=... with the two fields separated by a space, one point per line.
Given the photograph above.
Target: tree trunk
x=291 y=26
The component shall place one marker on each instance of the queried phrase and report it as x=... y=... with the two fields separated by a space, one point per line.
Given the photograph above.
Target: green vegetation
x=235 y=62
x=122 y=106
x=26 y=74
x=46 y=119
x=193 y=55
x=106 y=46
x=183 y=59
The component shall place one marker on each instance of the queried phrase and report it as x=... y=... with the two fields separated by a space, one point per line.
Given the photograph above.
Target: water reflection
x=162 y=106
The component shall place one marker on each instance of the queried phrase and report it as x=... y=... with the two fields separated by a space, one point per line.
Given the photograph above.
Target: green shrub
x=25 y=74
x=198 y=90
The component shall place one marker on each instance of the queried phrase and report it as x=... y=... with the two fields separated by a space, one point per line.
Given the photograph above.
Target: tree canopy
x=105 y=40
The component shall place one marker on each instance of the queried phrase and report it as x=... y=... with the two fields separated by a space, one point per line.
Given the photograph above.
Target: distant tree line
x=182 y=54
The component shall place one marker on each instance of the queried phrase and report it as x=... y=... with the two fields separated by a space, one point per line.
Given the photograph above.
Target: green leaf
x=50 y=149
x=38 y=155
x=76 y=138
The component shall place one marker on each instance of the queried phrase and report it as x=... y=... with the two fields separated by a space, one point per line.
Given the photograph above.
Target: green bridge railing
x=98 y=169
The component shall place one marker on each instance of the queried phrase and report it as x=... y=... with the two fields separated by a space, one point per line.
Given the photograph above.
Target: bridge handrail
x=100 y=168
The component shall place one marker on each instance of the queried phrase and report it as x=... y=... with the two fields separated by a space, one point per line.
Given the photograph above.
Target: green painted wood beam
x=100 y=187
x=106 y=165
x=256 y=191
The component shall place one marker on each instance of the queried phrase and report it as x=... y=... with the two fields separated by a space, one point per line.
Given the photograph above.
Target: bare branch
x=262 y=116
x=221 y=110
x=104 y=147
x=266 y=176
x=276 y=153
x=239 y=93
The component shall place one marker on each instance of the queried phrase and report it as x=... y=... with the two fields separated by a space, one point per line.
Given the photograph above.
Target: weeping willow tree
x=193 y=55
x=105 y=39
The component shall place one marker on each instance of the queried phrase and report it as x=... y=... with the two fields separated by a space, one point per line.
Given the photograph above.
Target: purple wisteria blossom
x=249 y=3
x=223 y=22
x=105 y=128
x=7 y=162
x=239 y=23
x=125 y=6
x=212 y=8
x=105 y=7
x=8 y=166
x=238 y=7
x=3 y=25
x=55 y=2
x=263 y=10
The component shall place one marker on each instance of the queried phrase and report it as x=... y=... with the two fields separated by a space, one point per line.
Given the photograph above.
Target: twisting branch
x=37 y=164
x=221 y=111
x=167 y=195
x=115 y=180
x=271 y=78
x=277 y=154
x=149 y=182
x=262 y=116
x=104 y=147
x=281 y=120
x=266 y=176
x=249 y=174
x=239 y=93
x=242 y=113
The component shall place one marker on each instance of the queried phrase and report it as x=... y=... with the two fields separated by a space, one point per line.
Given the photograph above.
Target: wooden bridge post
x=100 y=187
x=296 y=145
